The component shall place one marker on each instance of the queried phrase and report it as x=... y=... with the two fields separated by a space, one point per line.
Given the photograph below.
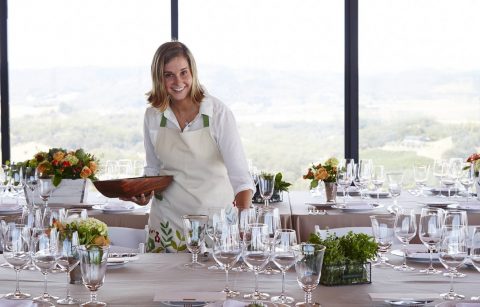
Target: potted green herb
x=346 y=259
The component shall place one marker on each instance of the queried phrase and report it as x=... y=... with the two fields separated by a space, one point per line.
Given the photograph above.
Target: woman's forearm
x=243 y=199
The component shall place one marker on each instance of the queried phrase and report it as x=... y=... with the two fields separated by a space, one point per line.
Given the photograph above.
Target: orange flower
x=101 y=240
x=58 y=156
x=43 y=167
x=86 y=172
x=93 y=166
x=473 y=157
x=321 y=174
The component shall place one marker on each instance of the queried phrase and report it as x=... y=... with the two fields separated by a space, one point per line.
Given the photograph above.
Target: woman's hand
x=141 y=199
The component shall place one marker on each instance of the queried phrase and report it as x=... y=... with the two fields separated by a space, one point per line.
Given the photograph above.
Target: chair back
x=127 y=237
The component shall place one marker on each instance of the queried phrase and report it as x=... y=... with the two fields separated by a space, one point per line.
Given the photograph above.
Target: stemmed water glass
x=45 y=259
x=68 y=260
x=308 y=266
x=475 y=251
x=362 y=175
x=452 y=254
x=16 y=253
x=17 y=179
x=383 y=232
x=420 y=175
x=456 y=169
x=266 y=187
x=284 y=242
x=45 y=188
x=345 y=175
x=31 y=181
x=194 y=228
x=457 y=219
x=227 y=249
x=395 y=181
x=256 y=254
x=247 y=216
x=430 y=233
x=467 y=178
x=405 y=230
x=93 y=264
x=378 y=178
x=271 y=218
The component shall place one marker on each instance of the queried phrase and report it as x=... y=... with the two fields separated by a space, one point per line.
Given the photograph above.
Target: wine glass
x=475 y=251
x=227 y=249
x=266 y=187
x=17 y=179
x=405 y=230
x=284 y=242
x=383 y=232
x=395 y=181
x=455 y=170
x=362 y=175
x=308 y=266
x=345 y=175
x=458 y=219
x=51 y=216
x=271 y=218
x=452 y=254
x=420 y=175
x=45 y=188
x=16 y=253
x=68 y=260
x=467 y=178
x=93 y=264
x=216 y=215
x=45 y=259
x=430 y=233
x=247 y=216
x=256 y=254
x=194 y=227
x=31 y=181
x=378 y=178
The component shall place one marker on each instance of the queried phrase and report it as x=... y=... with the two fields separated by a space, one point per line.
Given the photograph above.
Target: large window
x=419 y=80
x=279 y=66
x=79 y=71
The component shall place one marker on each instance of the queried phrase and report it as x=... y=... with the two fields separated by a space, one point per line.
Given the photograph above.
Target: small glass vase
x=330 y=191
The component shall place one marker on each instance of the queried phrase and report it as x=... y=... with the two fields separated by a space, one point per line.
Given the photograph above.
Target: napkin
x=227 y=303
x=403 y=296
x=189 y=296
x=122 y=206
x=357 y=205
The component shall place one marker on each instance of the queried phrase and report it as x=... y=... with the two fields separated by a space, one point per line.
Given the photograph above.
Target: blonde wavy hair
x=158 y=96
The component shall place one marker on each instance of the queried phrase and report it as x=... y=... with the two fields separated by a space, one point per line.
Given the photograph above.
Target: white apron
x=200 y=181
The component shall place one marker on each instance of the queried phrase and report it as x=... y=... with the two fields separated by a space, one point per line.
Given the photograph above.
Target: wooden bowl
x=129 y=187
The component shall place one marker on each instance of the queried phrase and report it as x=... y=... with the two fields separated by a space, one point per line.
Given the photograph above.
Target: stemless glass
x=194 y=227
x=475 y=252
x=227 y=249
x=383 y=232
x=452 y=254
x=266 y=187
x=271 y=218
x=76 y=213
x=45 y=259
x=68 y=260
x=405 y=230
x=284 y=242
x=16 y=253
x=256 y=254
x=308 y=266
x=430 y=233
x=93 y=264
x=378 y=178
x=395 y=181
x=420 y=175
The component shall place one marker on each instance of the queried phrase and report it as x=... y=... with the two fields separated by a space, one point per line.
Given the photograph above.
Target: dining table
x=163 y=280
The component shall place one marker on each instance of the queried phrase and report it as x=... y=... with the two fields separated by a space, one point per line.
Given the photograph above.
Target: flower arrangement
x=326 y=172
x=90 y=230
x=475 y=159
x=63 y=164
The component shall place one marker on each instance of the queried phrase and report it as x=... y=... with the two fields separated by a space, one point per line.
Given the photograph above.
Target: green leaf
x=57 y=179
x=313 y=184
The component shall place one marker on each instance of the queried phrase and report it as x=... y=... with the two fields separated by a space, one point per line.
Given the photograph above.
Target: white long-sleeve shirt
x=223 y=129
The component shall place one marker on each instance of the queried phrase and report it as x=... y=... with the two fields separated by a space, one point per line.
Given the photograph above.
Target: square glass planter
x=346 y=274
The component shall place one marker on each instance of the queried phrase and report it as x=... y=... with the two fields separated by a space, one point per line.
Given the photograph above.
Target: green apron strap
x=163 y=122
x=206 y=120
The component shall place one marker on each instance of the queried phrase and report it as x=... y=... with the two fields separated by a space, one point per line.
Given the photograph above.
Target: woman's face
x=178 y=78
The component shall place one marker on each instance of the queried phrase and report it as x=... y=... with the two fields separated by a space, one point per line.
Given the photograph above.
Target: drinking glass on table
x=271 y=218
x=283 y=256
x=215 y=215
x=247 y=216
x=395 y=182
x=227 y=249
x=345 y=175
x=420 y=175
x=475 y=252
x=194 y=227
x=455 y=169
x=467 y=178
x=68 y=259
x=93 y=264
x=457 y=219
x=45 y=188
x=383 y=232
x=405 y=230
x=430 y=233
x=266 y=187
x=362 y=175
x=16 y=253
x=452 y=254
x=31 y=181
x=378 y=178
x=256 y=254
x=308 y=266
x=45 y=259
